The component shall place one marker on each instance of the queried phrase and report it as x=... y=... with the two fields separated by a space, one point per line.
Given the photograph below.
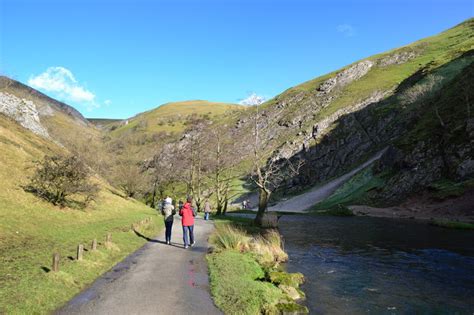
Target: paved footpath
x=157 y=279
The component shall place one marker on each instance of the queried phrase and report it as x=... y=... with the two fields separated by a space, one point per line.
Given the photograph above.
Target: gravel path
x=157 y=279
x=302 y=202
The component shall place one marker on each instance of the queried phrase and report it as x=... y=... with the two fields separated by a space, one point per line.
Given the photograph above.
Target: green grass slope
x=429 y=53
x=143 y=134
x=173 y=117
x=32 y=229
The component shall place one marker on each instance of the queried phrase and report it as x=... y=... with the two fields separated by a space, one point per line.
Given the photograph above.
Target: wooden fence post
x=80 y=252
x=55 y=266
x=108 y=239
x=94 y=245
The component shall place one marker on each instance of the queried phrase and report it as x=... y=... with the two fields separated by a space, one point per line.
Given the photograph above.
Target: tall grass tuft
x=268 y=249
x=229 y=237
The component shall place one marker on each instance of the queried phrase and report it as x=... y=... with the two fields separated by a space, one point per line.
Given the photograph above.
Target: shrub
x=58 y=177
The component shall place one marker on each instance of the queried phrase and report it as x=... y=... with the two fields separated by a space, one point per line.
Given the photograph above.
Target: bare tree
x=268 y=173
x=163 y=173
x=223 y=160
x=128 y=175
x=421 y=90
x=193 y=165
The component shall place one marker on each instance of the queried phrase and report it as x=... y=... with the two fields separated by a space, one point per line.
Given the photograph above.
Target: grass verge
x=245 y=270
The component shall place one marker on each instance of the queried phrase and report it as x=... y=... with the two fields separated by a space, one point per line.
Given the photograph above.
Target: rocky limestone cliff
x=45 y=105
x=24 y=112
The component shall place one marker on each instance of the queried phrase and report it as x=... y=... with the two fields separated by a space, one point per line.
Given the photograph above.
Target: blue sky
x=117 y=58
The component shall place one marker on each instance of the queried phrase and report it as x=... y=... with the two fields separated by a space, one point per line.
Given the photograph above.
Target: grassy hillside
x=142 y=135
x=32 y=229
x=426 y=54
x=173 y=117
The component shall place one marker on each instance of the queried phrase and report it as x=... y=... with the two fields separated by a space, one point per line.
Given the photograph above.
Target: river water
x=361 y=265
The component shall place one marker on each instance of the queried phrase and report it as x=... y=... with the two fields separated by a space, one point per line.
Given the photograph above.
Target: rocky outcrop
x=45 y=105
x=310 y=137
x=397 y=58
x=22 y=111
x=345 y=77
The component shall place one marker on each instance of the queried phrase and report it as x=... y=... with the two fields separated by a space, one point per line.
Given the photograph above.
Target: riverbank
x=246 y=273
x=459 y=209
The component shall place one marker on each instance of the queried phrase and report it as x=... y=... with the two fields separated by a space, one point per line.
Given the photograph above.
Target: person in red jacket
x=187 y=213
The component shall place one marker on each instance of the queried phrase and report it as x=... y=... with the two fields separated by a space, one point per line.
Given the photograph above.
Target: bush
x=58 y=177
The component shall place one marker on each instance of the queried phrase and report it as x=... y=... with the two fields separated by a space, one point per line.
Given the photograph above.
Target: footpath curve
x=302 y=202
x=156 y=279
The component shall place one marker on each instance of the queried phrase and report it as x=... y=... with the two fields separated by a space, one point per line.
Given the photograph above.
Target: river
x=362 y=265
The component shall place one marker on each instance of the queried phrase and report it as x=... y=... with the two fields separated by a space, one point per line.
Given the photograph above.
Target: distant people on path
x=188 y=213
x=246 y=204
x=207 y=209
x=168 y=212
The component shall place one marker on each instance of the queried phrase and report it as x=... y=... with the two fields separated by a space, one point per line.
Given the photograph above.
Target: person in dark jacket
x=187 y=213
x=168 y=212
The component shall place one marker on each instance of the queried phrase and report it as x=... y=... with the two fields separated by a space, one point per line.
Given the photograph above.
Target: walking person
x=168 y=212
x=207 y=209
x=188 y=213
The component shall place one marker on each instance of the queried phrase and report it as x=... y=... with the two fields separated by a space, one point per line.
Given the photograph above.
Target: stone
x=291 y=292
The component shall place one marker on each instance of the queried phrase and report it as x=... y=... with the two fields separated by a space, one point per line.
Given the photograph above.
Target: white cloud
x=107 y=102
x=253 y=99
x=346 y=29
x=64 y=85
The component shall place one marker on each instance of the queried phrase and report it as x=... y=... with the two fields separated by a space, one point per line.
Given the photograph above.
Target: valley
x=391 y=135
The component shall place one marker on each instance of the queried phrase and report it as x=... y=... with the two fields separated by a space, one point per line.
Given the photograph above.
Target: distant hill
x=173 y=116
x=144 y=133
x=103 y=122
